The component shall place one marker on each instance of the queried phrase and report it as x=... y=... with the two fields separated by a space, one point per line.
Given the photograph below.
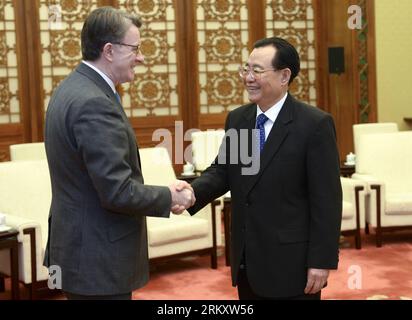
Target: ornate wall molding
x=9 y=81
x=222 y=32
x=154 y=91
x=294 y=21
x=60 y=26
x=192 y=53
x=363 y=66
x=3 y=156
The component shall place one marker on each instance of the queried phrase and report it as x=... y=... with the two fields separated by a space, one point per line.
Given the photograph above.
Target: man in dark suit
x=97 y=226
x=286 y=215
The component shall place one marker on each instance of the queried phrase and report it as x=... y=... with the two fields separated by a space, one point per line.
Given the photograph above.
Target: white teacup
x=350 y=158
x=188 y=168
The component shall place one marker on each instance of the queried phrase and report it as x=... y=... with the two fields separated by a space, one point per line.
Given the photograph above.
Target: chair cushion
x=28 y=151
x=205 y=147
x=163 y=231
x=371 y=128
x=387 y=157
x=157 y=167
x=399 y=204
x=348 y=210
x=25 y=191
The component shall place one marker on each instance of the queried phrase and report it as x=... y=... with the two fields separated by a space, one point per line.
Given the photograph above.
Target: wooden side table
x=346 y=171
x=188 y=178
x=8 y=240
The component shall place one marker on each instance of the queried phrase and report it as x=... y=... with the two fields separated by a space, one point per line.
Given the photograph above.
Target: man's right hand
x=182 y=196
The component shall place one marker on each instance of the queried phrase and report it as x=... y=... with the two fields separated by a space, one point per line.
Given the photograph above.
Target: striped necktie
x=260 y=124
x=118 y=97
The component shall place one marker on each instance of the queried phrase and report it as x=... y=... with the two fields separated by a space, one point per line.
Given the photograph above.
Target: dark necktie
x=118 y=97
x=260 y=124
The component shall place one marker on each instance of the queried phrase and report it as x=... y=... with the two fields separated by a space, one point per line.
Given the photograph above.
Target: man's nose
x=250 y=77
x=140 y=58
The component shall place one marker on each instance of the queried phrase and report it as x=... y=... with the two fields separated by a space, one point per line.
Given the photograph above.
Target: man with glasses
x=286 y=218
x=97 y=226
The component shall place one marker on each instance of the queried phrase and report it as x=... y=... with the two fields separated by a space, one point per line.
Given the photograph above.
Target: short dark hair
x=103 y=25
x=286 y=55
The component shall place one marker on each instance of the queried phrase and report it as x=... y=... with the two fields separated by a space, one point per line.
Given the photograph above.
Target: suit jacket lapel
x=249 y=118
x=247 y=123
x=274 y=141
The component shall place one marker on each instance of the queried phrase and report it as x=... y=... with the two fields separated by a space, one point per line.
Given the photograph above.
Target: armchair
x=27 y=151
x=362 y=129
x=353 y=208
x=384 y=163
x=205 y=147
x=180 y=235
x=371 y=128
x=25 y=197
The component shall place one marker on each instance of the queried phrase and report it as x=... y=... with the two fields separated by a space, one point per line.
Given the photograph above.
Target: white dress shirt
x=272 y=114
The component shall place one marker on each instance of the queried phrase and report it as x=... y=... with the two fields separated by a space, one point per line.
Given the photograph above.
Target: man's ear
x=285 y=77
x=107 y=51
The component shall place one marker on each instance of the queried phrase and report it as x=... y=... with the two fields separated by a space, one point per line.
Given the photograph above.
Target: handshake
x=183 y=196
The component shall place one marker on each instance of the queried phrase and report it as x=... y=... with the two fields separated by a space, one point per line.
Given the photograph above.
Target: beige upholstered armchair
x=362 y=129
x=371 y=128
x=384 y=163
x=25 y=197
x=353 y=208
x=180 y=235
x=27 y=151
x=205 y=147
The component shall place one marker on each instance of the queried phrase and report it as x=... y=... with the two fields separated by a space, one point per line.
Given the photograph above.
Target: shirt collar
x=273 y=111
x=103 y=75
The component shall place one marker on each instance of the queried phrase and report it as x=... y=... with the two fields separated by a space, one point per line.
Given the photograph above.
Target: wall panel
x=192 y=53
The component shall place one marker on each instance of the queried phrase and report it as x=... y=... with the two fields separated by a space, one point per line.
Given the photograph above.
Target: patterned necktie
x=260 y=124
x=118 y=97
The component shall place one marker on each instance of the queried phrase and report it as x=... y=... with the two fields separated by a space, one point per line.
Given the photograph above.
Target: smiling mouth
x=252 y=89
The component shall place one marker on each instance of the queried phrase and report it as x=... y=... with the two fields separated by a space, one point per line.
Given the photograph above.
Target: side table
x=188 y=178
x=347 y=170
x=8 y=240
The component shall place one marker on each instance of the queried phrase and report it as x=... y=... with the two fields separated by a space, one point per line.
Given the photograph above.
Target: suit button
x=247 y=204
x=242 y=266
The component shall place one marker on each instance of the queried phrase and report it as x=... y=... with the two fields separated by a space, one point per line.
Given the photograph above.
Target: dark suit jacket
x=97 y=226
x=286 y=218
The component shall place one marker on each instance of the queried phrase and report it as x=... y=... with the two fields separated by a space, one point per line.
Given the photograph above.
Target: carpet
x=368 y=274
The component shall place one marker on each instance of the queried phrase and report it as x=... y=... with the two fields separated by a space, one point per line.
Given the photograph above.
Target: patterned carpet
x=374 y=273
x=370 y=273
x=367 y=274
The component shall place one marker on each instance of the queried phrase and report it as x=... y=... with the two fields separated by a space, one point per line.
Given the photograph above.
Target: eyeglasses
x=255 y=72
x=136 y=49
